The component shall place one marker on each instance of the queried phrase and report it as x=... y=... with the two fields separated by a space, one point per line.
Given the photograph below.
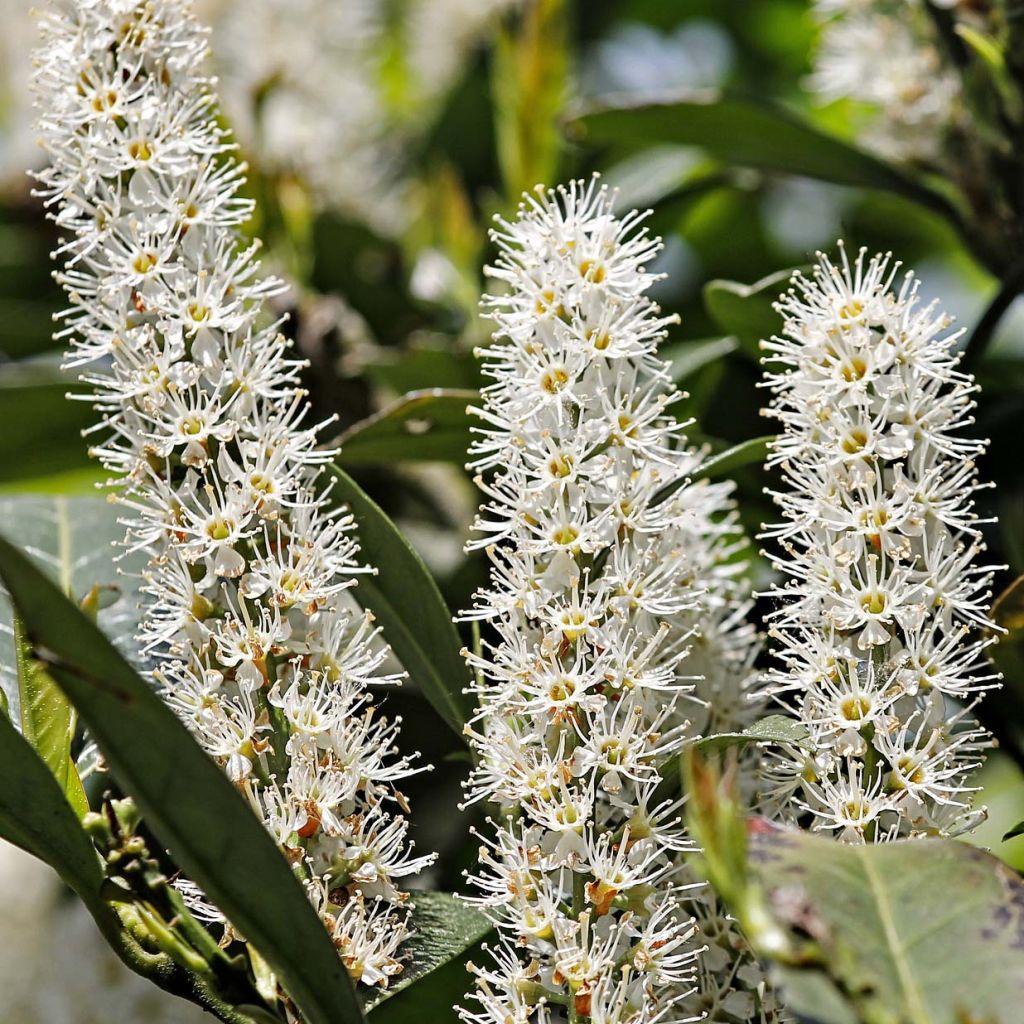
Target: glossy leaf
x=724 y=463
x=408 y=606
x=447 y=934
x=37 y=418
x=1017 y=830
x=750 y=133
x=35 y=815
x=422 y=426
x=747 y=311
x=923 y=931
x=72 y=540
x=745 y=453
x=772 y=729
x=185 y=798
x=687 y=358
x=1002 y=711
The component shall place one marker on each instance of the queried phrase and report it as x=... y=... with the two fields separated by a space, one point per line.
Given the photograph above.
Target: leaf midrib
x=912 y=992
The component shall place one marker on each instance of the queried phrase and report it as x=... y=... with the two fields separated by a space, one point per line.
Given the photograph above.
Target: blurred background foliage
x=404 y=135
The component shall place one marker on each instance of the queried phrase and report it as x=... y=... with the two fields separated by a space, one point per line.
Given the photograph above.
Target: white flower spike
x=260 y=651
x=608 y=599
x=879 y=616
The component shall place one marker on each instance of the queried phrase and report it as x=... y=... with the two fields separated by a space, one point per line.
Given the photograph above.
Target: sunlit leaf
x=72 y=540
x=407 y=604
x=747 y=311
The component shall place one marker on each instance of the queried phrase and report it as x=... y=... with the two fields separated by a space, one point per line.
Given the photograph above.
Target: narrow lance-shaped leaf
x=186 y=799
x=743 y=454
x=35 y=815
x=47 y=721
x=751 y=133
x=408 y=605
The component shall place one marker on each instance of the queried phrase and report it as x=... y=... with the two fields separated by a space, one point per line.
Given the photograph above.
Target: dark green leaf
x=418 y=367
x=687 y=357
x=1003 y=709
x=35 y=815
x=186 y=799
x=37 y=418
x=744 y=454
x=422 y=426
x=750 y=133
x=447 y=934
x=1017 y=830
x=408 y=605
x=747 y=311
x=729 y=461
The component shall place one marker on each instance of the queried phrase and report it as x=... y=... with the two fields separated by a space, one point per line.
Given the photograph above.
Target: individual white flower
x=879 y=616
x=606 y=589
x=881 y=53
x=260 y=651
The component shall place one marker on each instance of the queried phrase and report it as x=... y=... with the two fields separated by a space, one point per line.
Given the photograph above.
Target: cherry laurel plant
x=880 y=617
x=260 y=651
x=619 y=633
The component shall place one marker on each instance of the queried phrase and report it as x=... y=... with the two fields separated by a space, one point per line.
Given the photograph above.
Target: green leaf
x=1002 y=710
x=750 y=133
x=405 y=600
x=36 y=816
x=772 y=729
x=723 y=463
x=885 y=939
x=422 y=426
x=896 y=932
x=1017 y=830
x=72 y=540
x=686 y=358
x=747 y=311
x=447 y=934
x=47 y=721
x=37 y=418
x=418 y=367
x=743 y=454
x=186 y=799
x=528 y=82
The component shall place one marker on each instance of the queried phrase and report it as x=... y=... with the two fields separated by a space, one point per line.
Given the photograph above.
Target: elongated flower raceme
x=879 y=618
x=260 y=652
x=599 y=588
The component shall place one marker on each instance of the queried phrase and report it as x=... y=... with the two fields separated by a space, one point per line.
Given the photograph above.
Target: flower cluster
x=878 y=621
x=260 y=650
x=608 y=594
x=881 y=53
